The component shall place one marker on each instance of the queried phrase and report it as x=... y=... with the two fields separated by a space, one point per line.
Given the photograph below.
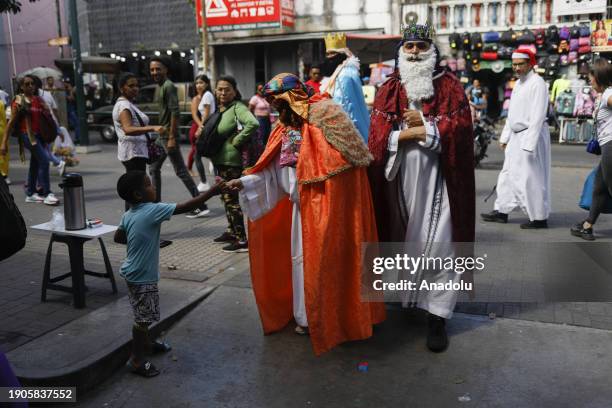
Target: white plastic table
x=75 y=241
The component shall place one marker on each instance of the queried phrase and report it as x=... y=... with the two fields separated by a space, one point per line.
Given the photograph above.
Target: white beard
x=417 y=75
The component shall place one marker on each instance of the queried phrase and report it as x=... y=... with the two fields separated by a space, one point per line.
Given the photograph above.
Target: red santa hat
x=525 y=53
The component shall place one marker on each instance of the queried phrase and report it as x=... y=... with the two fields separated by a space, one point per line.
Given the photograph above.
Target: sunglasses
x=420 y=45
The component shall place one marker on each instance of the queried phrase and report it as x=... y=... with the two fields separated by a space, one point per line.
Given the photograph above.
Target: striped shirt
x=604 y=118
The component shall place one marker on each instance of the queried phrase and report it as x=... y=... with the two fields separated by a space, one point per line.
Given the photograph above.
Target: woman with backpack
x=131 y=127
x=236 y=126
x=601 y=80
x=26 y=120
x=203 y=105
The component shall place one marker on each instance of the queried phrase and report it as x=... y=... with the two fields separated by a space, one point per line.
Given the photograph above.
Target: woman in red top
x=26 y=111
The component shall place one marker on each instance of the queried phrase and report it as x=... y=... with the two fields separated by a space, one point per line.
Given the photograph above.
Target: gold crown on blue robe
x=418 y=32
x=335 y=41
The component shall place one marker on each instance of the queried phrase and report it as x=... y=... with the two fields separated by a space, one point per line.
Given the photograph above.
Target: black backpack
x=476 y=40
x=526 y=37
x=454 y=41
x=552 y=35
x=508 y=37
x=575 y=32
x=13 y=232
x=210 y=142
x=465 y=41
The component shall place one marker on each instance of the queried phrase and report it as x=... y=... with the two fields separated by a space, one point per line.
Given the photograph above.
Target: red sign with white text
x=230 y=15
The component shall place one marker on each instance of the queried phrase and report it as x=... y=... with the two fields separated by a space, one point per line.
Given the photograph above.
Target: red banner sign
x=230 y=15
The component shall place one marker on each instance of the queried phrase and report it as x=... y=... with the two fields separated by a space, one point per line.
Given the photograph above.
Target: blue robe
x=348 y=93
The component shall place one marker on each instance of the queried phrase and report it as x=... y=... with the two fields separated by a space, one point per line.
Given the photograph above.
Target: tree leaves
x=12 y=6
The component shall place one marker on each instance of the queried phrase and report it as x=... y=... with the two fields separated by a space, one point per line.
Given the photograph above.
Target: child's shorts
x=144 y=299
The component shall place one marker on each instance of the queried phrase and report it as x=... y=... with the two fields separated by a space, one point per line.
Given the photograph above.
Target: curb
x=99 y=365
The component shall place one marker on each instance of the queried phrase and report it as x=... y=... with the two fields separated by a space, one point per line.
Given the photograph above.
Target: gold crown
x=335 y=41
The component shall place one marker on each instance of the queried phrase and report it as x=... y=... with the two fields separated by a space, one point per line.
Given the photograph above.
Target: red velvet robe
x=449 y=108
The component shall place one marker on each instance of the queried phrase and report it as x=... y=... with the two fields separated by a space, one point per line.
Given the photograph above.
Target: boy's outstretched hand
x=234 y=185
x=198 y=201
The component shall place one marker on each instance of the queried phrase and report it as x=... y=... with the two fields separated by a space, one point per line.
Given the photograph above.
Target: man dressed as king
x=309 y=206
x=422 y=178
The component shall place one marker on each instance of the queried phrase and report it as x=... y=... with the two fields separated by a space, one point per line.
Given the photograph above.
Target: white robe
x=261 y=192
x=524 y=180
x=429 y=229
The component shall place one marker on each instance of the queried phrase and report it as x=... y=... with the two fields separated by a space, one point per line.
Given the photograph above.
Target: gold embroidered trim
x=327 y=176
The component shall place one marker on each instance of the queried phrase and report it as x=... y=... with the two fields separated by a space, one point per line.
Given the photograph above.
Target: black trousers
x=603 y=183
x=136 y=163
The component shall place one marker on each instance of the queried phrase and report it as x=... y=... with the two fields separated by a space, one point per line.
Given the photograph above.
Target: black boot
x=495 y=216
x=535 y=224
x=578 y=230
x=437 y=340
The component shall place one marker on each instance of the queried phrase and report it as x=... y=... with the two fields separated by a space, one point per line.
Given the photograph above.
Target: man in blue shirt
x=139 y=229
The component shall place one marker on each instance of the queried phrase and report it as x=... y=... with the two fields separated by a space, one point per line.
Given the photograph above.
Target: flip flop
x=146 y=369
x=159 y=346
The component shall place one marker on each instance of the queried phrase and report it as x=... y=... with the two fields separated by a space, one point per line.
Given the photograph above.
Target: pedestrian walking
x=524 y=180
x=259 y=106
x=139 y=229
x=203 y=105
x=132 y=127
x=237 y=125
x=601 y=81
x=71 y=109
x=27 y=110
x=169 y=116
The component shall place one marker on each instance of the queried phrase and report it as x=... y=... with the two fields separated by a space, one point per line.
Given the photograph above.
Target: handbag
x=13 y=232
x=586 y=197
x=593 y=147
x=154 y=150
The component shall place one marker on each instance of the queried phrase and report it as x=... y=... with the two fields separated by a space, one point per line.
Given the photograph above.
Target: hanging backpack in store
x=563 y=60
x=489 y=55
x=575 y=32
x=490 y=47
x=582 y=41
x=573 y=44
x=583 y=68
x=585 y=31
x=552 y=65
x=455 y=41
x=465 y=41
x=508 y=37
x=540 y=37
x=552 y=34
x=461 y=64
x=13 y=232
x=526 y=37
x=476 y=41
x=564 y=33
x=475 y=57
x=585 y=49
x=529 y=47
x=505 y=52
x=541 y=62
x=563 y=47
x=572 y=57
x=491 y=37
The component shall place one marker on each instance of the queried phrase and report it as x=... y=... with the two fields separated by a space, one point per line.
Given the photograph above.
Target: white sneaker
x=203 y=187
x=198 y=213
x=34 y=198
x=61 y=168
x=51 y=199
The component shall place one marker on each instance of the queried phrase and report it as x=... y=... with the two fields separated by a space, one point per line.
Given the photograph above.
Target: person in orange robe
x=310 y=208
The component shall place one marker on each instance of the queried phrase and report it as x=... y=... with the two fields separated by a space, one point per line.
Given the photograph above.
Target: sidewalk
x=221 y=359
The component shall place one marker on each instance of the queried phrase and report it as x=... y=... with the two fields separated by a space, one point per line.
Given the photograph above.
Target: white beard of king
x=417 y=75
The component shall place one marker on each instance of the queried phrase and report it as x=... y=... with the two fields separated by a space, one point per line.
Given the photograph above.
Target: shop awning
x=92 y=65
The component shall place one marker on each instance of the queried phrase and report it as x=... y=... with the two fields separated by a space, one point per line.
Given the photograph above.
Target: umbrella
x=42 y=73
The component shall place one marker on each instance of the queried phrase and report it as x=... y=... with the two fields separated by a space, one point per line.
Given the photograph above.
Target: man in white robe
x=524 y=181
x=415 y=163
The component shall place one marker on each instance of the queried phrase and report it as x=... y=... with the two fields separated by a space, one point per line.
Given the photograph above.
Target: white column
x=451 y=17
x=502 y=16
x=538 y=12
x=434 y=16
x=485 y=15
x=520 y=18
x=468 y=15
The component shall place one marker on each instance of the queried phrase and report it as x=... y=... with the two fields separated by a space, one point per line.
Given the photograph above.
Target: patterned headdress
x=418 y=32
x=289 y=88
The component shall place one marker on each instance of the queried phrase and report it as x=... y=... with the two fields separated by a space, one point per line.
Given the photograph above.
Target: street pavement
x=219 y=347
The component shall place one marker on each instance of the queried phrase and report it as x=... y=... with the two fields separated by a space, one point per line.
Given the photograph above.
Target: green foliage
x=11 y=6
